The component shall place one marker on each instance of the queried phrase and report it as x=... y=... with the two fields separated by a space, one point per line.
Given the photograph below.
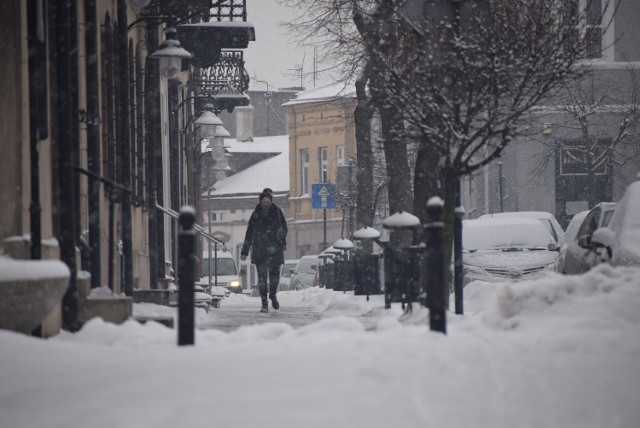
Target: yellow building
x=321 y=145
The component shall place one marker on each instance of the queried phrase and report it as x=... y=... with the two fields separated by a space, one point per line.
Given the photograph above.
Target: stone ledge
x=101 y=302
x=159 y=297
x=30 y=290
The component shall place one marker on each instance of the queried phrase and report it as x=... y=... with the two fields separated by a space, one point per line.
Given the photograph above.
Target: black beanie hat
x=265 y=195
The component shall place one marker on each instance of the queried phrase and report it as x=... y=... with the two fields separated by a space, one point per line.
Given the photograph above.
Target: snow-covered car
x=286 y=271
x=577 y=254
x=548 y=219
x=305 y=272
x=508 y=248
x=619 y=242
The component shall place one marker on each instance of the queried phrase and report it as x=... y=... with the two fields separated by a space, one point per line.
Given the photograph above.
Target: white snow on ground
x=554 y=352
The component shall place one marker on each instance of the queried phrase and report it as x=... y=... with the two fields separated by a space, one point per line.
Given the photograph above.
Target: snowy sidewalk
x=232 y=317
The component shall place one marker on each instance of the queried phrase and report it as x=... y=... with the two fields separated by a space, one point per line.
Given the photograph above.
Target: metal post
x=435 y=281
x=500 y=186
x=208 y=241
x=186 y=279
x=215 y=261
x=324 y=238
x=351 y=198
x=457 y=247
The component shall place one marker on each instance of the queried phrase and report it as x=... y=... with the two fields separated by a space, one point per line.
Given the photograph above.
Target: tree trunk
x=364 y=197
x=425 y=179
x=450 y=178
x=395 y=152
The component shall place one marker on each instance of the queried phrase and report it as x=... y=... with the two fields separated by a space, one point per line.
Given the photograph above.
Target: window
x=575 y=157
x=590 y=25
x=304 y=171
x=340 y=155
x=323 y=165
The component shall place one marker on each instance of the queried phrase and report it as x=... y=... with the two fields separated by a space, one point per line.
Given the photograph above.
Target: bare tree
x=468 y=73
x=599 y=130
x=331 y=26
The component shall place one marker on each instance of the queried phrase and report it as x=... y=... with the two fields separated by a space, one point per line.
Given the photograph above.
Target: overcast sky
x=275 y=56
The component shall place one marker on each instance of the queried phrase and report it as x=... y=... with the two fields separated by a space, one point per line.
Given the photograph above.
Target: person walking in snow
x=266 y=237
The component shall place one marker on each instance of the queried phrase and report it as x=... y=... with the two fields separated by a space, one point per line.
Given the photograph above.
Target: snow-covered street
x=555 y=352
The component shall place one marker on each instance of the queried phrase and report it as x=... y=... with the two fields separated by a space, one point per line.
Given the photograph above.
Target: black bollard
x=435 y=281
x=186 y=278
x=457 y=260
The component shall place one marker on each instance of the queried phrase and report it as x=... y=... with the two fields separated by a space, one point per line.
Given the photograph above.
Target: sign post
x=323 y=195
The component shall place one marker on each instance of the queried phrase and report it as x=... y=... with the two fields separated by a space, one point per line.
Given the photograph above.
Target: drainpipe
x=93 y=139
x=37 y=114
x=124 y=138
x=153 y=110
x=64 y=136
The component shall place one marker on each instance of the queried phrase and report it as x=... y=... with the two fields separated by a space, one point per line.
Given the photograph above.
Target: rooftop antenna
x=299 y=70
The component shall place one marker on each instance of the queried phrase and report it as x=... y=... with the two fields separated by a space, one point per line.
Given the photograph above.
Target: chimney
x=244 y=123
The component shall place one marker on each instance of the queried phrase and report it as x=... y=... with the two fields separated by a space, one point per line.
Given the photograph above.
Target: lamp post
x=164 y=53
x=171 y=54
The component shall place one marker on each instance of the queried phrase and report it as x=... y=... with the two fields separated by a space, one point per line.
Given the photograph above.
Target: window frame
x=304 y=172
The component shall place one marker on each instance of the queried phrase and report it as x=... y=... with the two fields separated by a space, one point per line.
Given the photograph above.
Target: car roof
x=606 y=206
x=501 y=220
x=532 y=214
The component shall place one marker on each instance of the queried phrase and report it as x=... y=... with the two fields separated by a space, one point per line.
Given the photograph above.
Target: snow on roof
x=324 y=93
x=275 y=144
x=272 y=172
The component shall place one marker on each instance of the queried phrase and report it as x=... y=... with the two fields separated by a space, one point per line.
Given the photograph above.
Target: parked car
x=223 y=271
x=548 y=219
x=577 y=254
x=286 y=271
x=506 y=248
x=305 y=271
x=619 y=242
x=570 y=237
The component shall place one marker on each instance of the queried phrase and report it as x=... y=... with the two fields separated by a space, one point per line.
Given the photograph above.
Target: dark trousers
x=271 y=270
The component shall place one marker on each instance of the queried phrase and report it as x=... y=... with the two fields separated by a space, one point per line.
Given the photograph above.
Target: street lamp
x=208 y=121
x=171 y=54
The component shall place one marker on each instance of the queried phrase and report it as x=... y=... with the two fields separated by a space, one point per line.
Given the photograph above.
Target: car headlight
x=234 y=282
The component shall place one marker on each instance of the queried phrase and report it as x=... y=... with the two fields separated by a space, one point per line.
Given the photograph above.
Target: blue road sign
x=323 y=195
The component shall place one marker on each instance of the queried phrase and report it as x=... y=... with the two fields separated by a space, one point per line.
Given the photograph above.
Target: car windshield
x=607 y=217
x=481 y=235
x=305 y=265
x=286 y=269
x=225 y=267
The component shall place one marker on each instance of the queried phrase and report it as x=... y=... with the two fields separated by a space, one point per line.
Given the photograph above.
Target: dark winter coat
x=266 y=236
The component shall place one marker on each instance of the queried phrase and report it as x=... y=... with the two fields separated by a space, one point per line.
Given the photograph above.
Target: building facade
x=100 y=147
x=321 y=146
x=547 y=169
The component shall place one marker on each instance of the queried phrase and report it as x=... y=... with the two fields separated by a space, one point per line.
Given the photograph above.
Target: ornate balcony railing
x=225 y=82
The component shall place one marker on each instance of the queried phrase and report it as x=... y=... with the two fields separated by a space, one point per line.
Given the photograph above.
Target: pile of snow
x=560 y=351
